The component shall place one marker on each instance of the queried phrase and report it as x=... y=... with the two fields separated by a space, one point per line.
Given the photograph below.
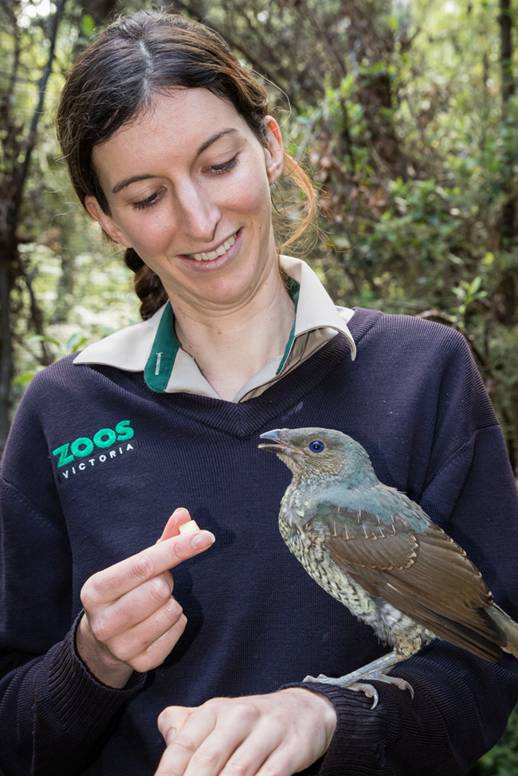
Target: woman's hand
x=279 y=733
x=131 y=620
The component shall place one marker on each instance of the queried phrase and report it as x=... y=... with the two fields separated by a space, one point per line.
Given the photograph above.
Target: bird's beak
x=273 y=441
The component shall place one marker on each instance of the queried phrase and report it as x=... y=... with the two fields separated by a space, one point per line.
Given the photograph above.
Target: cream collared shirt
x=152 y=347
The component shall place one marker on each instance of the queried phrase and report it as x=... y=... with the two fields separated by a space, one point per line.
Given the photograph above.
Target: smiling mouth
x=217 y=252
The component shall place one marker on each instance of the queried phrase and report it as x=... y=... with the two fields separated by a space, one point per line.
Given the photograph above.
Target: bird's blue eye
x=316 y=446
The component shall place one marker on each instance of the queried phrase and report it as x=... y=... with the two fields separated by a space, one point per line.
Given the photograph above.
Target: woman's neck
x=231 y=346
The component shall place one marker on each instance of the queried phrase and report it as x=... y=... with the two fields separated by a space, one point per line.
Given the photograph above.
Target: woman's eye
x=148 y=201
x=218 y=169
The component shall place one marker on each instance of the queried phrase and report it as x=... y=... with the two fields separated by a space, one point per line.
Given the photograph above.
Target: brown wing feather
x=427 y=576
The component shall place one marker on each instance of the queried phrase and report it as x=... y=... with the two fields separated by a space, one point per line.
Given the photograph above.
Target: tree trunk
x=65 y=288
x=371 y=46
x=508 y=89
x=6 y=349
x=14 y=178
x=509 y=285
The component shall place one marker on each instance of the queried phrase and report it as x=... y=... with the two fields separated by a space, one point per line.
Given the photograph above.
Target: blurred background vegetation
x=403 y=111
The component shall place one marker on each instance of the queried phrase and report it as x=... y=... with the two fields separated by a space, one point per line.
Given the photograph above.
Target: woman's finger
x=171 y=720
x=185 y=734
x=117 y=580
x=255 y=749
x=135 y=607
x=236 y=721
x=283 y=761
x=180 y=516
x=155 y=654
x=139 y=638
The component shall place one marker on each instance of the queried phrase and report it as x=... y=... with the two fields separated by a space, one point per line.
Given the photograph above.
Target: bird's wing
x=424 y=573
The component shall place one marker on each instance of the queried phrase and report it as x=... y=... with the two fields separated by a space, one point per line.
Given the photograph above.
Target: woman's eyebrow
x=206 y=143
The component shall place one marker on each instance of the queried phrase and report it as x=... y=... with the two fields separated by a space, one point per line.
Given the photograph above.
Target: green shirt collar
x=152 y=347
x=162 y=357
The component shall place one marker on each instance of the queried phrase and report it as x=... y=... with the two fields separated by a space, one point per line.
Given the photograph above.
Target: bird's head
x=313 y=453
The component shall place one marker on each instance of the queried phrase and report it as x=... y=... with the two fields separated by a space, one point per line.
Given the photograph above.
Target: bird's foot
x=342 y=681
x=370 y=691
x=348 y=682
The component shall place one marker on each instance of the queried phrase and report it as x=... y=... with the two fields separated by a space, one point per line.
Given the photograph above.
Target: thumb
x=180 y=515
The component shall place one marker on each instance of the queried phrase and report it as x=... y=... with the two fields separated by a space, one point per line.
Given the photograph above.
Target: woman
x=172 y=150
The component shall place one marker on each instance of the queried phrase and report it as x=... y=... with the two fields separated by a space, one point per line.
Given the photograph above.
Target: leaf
x=25 y=378
x=393 y=22
x=475 y=285
x=87 y=25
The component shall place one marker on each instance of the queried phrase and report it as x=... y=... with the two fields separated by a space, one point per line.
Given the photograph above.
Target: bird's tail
x=507 y=627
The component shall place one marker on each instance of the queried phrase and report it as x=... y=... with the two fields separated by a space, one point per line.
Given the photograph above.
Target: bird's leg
x=374 y=671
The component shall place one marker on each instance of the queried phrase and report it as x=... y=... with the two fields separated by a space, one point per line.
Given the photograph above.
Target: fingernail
x=202 y=539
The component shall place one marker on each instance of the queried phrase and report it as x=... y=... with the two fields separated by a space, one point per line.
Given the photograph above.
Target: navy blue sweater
x=96 y=462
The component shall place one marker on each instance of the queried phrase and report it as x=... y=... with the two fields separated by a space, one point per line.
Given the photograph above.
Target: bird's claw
x=401 y=683
x=397 y=681
x=368 y=689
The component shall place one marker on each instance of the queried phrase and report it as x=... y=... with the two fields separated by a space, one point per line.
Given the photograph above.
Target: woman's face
x=188 y=185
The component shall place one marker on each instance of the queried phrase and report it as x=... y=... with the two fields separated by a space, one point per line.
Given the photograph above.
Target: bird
x=378 y=553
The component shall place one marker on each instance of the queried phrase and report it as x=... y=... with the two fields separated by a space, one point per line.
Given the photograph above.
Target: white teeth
x=220 y=250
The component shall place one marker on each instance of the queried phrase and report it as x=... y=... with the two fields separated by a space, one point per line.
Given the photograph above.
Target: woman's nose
x=199 y=215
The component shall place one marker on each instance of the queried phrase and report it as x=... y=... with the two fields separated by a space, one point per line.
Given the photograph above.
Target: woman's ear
x=274 y=150
x=107 y=224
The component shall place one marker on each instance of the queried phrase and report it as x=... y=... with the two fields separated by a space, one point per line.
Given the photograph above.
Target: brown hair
x=116 y=78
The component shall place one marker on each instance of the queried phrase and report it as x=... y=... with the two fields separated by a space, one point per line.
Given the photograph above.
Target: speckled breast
x=389 y=624
x=309 y=550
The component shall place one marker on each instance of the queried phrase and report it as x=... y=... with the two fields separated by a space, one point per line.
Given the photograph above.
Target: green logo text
x=84 y=446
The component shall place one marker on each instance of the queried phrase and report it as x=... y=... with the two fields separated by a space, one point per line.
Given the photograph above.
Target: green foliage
x=101 y=297
x=502 y=760
x=413 y=201
x=88 y=26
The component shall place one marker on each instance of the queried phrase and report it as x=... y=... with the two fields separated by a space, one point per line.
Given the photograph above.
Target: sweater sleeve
x=52 y=709
x=462 y=703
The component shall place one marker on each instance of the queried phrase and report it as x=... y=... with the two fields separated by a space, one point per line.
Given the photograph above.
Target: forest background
x=404 y=112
